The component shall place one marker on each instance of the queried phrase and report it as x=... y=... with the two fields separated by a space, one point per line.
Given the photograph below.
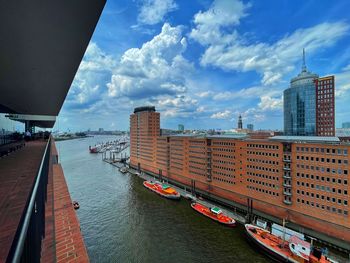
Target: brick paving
x=17 y=173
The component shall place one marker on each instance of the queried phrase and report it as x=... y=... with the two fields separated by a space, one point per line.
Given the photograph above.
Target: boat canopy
x=216 y=210
x=165 y=186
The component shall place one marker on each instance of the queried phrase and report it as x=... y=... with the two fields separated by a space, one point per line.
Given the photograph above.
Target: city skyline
x=204 y=63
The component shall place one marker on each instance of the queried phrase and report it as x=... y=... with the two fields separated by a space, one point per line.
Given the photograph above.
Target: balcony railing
x=287 y=202
x=26 y=246
x=287 y=185
x=286 y=168
x=287 y=193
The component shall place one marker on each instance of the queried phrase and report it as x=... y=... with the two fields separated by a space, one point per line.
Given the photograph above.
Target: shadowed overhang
x=42 y=44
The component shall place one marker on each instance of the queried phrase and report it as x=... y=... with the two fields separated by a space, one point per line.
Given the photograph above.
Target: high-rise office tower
x=325 y=125
x=309 y=105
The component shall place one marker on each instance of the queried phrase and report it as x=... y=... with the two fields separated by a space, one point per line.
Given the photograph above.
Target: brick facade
x=304 y=182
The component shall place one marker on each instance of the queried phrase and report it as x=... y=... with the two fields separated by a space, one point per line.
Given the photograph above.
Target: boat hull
x=266 y=250
x=168 y=196
x=196 y=206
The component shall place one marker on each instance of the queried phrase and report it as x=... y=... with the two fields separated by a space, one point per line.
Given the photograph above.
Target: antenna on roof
x=303 y=68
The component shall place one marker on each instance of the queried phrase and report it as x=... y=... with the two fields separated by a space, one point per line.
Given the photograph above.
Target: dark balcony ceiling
x=41 y=46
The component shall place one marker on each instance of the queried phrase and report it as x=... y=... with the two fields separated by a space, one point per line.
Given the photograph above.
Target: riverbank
x=73 y=137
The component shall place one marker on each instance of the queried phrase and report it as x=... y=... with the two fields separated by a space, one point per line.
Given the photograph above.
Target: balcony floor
x=17 y=174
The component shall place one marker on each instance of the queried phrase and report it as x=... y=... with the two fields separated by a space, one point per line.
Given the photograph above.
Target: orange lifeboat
x=214 y=213
x=162 y=189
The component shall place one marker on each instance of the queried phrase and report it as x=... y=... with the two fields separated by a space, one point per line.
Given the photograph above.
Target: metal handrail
x=24 y=229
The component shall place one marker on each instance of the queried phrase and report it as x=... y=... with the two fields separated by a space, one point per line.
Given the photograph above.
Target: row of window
x=176 y=164
x=323 y=150
x=224 y=174
x=264 y=146
x=224 y=168
x=223 y=162
x=264 y=153
x=200 y=163
x=322 y=197
x=223 y=180
x=224 y=150
x=197 y=168
x=197 y=173
x=323 y=188
x=262 y=168
x=323 y=169
x=224 y=143
x=262 y=183
x=266 y=161
x=176 y=167
x=321 y=159
x=323 y=207
x=197 y=142
x=197 y=152
x=197 y=147
x=263 y=190
x=197 y=157
x=223 y=156
x=263 y=176
x=321 y=178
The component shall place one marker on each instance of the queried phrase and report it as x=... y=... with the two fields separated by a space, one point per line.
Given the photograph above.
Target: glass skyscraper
x=299 y=102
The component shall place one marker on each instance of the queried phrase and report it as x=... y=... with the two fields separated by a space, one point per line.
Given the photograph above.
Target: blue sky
x=202 y=63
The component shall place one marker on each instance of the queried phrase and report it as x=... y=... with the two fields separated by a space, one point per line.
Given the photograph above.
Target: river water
x=121 y=221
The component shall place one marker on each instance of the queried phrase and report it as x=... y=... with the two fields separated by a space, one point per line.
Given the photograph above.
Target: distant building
x=345 y=125
x=100 y=130
x=250 y=127
x=240 y=123
x=309 y=105
x=343 y=134
x=180 y=127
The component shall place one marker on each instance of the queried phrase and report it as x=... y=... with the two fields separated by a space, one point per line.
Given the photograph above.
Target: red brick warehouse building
x=303 y=179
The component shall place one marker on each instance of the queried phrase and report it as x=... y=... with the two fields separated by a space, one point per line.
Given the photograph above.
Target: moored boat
x=123 y=169
x=295 y=250
x=76 y=205
x=162 y=189
x=95 y=149
x=214 y=213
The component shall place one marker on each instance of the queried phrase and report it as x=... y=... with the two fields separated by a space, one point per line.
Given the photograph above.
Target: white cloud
x=247 y=93
x=201 y=109
x=228 y=50
x=179 y=106
x=346 y=68
x=342 y=85
x=89 y=82
x=153 y=11
x=269 y=103
x=222 y=115
x=204 y=94
x=157 y=68
x=222 y=13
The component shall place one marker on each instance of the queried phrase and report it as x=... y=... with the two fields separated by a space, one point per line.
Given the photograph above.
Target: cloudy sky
x=203 y=62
